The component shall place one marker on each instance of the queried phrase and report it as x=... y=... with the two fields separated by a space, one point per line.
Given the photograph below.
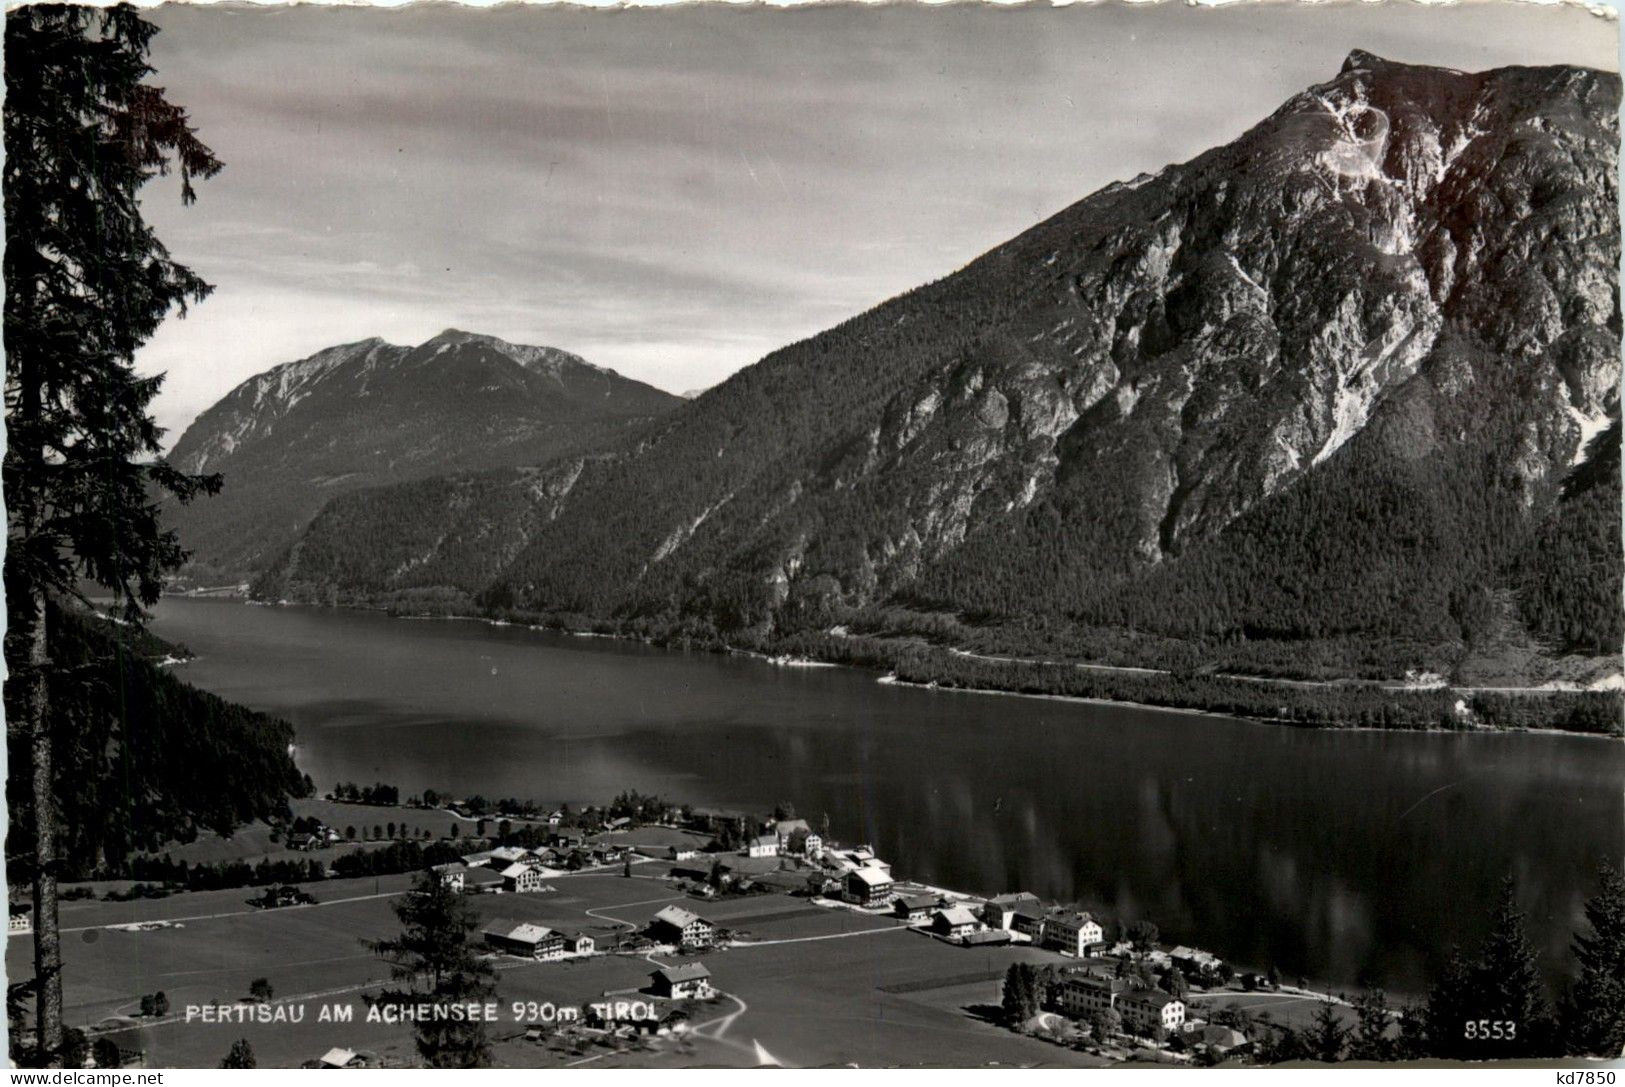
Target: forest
x=1058 y=452
x=145 y=759
x=1379 y=565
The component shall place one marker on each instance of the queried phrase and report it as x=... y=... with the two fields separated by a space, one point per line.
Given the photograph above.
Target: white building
x=576 y=942
x=1071 y=932
x=1144 y=1010
x=690 y=981
x=955 y=922
x=522 y=879
x=1083 y=996
x=767 y=845
x=999 y=911
x=526 y=940
x=869 y=886
x=676 y=925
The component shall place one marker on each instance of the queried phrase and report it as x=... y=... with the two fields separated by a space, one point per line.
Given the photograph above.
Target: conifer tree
x=1438 y=1029
x=1492 y=1006
x=1594 y=1010
x=87 y=283
x=1327 y=1034
x=1022 y=993
x=1370 y=1040
x=435 y=957
x=1281 y=1043
x=1508 y=987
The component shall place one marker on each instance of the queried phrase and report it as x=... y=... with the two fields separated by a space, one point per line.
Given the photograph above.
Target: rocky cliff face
x=288 y=440
x=1246 y=314
x=1402 y=266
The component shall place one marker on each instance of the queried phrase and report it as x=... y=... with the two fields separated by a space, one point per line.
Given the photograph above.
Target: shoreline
x=889 y=677
x=887 y=680
x=891 y=680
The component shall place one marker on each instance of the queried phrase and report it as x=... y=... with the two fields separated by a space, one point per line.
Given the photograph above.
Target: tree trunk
x=47 y=940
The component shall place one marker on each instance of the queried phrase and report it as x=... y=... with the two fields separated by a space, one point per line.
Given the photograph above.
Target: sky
x=675 y=192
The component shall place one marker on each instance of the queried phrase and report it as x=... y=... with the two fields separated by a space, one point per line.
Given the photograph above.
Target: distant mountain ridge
x=372 y=412
x=1320 y=386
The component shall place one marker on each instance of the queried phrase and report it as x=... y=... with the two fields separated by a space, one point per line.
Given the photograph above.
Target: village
x=1123 y=994
x=642 y=938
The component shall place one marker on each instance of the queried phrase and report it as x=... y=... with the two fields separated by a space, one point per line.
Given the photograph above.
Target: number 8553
x=1493 y=1030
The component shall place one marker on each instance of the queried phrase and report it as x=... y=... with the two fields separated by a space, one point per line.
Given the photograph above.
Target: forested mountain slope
x=144 y=758
x=368 y=413
x=1323 y=384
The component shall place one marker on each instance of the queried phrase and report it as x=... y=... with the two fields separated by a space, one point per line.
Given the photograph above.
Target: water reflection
x=1327 y=853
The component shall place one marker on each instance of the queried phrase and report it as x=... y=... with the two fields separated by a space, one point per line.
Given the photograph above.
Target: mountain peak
x=1144 y=413
x=457 y=335
x=370 y=412
x=1361 y=60
x=533 y=357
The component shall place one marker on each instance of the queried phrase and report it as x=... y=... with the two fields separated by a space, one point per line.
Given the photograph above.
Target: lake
x=1332 y=854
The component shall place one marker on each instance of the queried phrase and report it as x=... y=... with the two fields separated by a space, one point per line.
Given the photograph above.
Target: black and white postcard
x=835 y=536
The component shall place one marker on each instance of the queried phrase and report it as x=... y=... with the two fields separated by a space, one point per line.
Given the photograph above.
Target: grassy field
x=253 y=842
x=655 y=839
x=220 y=947
x=1286 y=1008
x=814 y=986
x=811 y=989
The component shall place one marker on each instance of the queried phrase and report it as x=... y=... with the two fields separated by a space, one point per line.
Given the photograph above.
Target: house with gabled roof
x=338 y=1057
x=998 y=910
x=675 y=925
x=523 y=878
x=504 y=855
x=1083 y=995
x=916 y=907
x=452 y=874
x=954 y=922
x=1144 y=1010
x=1071 y=932
x=1027 y=921
x=525 y=939
x=690 y=981
x=869 y=887
x=576 y=942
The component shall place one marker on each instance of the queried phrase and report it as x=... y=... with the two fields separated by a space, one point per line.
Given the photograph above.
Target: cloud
x=675 y=192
